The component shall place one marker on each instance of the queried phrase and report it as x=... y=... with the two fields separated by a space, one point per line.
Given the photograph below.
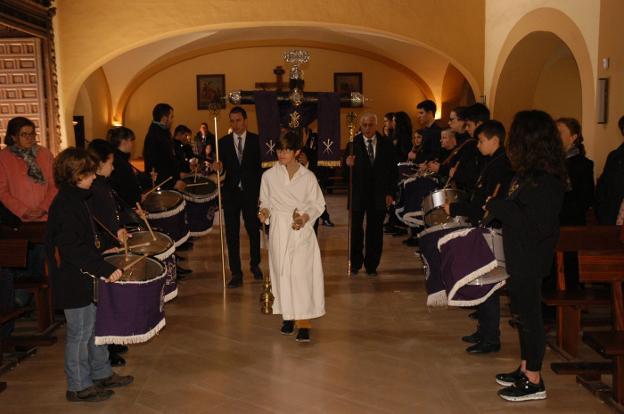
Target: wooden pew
x=607 y=266
x=13 y=253
x=570 y=304
x=34 y=233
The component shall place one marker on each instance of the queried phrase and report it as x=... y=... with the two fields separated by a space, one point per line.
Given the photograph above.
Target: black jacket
x=248 y=173
x=610 y=188
x=431 y=141
x=530 y=218
x=372 y=183
x=105 y=209
x=580 y=195
x=158 y=154
x=71 y=230
x=183 y=154
x=470 y=164
x=124 y=179
x=496 y=170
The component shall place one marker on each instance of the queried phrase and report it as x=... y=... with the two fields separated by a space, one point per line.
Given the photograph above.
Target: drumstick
x=125 y=243
x=451 y=178
x=157 y=186
x=105 y=229
x=132 y=263
x=494 y=194
x=197 y=184
x=142 y=214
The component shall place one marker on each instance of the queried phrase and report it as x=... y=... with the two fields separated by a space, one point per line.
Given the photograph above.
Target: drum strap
x=456 y=150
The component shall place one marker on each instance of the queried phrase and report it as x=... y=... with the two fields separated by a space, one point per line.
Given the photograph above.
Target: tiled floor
x=378 y=350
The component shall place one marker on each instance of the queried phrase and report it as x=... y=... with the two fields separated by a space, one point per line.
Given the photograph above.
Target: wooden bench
x=570 y=304
x=13 y=253
x=607 y=266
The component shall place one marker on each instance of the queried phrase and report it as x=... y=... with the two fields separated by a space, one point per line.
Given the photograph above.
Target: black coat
x=530 y=218
x=580 y=195
x=372 y=183
x=470 y=164
x=124 y=179
x=105 y=209
x=431 y=141
x=159 y=155
x=610 y=188
x=183 y=154
x=248 y=173
x=71 y=231
x=496 y=170
x=199 y=146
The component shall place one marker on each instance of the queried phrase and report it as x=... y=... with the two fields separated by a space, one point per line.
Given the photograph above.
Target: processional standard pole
x=215 y=108
x=351 y=117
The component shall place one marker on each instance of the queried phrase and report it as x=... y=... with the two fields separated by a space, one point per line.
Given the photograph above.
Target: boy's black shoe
x=117 y=349
x=327 y=223
x=91 y=394
x=235 y=282
x=303 y=335
x=257 y=273
x=523 y=390
x=510 y=378
x=288 y=327
x=483 y=348
x=114 y=381
x=475 y=338
x=116 y=360
x=474 y=315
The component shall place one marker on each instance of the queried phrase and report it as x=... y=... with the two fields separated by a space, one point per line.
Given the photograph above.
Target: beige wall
x=389 y=89
x=92 y=32
x=558 y=89
x=94 y=104
x=607 y=137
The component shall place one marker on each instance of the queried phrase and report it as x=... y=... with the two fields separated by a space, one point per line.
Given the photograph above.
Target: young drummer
x=75 y=266
x=530 y=218
x=291 y=199
x=493 y=180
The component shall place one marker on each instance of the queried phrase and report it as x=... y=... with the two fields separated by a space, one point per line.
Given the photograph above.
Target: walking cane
x=214 y=109
x=351 y=117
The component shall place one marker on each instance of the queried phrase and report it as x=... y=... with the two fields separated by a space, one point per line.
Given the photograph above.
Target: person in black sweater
x=126 y=180
x=76 y=265
x=610 y=187
x=183 y=150
x=105 y=210
x=492 y=182
x=530 y=219
x=158 y=151
x=430 y=130
x=579 y=196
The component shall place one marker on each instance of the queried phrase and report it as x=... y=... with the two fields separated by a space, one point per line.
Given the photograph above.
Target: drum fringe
x=166 y=254
x=437 y=299
x=458 y=233
x=469 y=278
x=171 y=295
x=199 y=200
x=134 y=339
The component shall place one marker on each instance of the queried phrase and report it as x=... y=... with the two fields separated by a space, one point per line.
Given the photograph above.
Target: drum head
x=145 y=244
x=200 y=185
x=160 y=201
x=436 y=217
x=146 y=269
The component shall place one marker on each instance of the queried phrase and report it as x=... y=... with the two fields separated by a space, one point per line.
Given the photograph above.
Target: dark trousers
x=368 y=254
x=324 y=216
x=232 y=212
x=525 y=293
x=489 y=319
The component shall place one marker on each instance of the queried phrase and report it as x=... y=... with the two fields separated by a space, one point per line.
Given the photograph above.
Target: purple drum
x=472 y=265
x=131 y=310
x=160 y=247
x=430 y=254
x=166 y=210
x=201 y=203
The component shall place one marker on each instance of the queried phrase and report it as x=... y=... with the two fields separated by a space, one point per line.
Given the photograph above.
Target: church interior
x=80 y=68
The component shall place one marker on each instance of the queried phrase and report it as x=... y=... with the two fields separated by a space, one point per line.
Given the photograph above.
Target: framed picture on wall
x=210 y=89
x=347 y=82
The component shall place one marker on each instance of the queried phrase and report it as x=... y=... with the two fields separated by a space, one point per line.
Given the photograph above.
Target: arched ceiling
x=127 y=71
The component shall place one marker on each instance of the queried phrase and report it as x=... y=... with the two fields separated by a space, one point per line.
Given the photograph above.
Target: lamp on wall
x=603 y=100
x=117 y=123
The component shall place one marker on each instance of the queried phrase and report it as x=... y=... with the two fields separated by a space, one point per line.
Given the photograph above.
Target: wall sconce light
x=605 y=63
x=117 y=123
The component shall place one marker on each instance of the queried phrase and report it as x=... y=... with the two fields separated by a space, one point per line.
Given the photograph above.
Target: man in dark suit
x=240 y=160
x=375 y=178
x=158 y=150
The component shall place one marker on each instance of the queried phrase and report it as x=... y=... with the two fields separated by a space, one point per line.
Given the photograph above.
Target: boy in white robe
x=291 y=199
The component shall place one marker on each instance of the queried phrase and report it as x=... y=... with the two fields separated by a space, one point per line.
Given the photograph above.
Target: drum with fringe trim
x=166 y=210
